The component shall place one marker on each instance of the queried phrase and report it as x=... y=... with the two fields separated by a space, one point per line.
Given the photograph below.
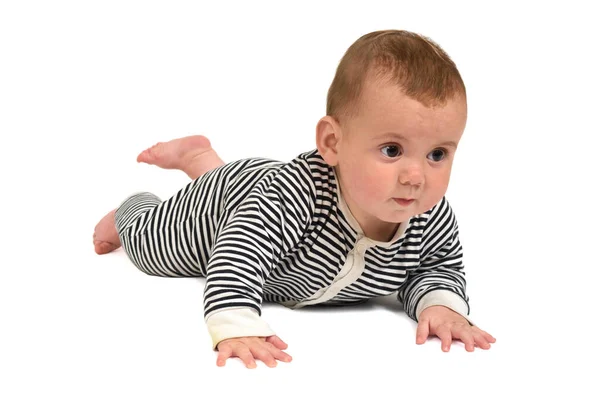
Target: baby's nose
x=413 y=175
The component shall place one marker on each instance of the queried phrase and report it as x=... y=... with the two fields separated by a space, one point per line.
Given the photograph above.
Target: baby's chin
x=397 y=217
x=421 y=205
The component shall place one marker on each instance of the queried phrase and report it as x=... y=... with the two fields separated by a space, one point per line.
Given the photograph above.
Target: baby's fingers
x=263 y=354
x=283 y=356
x=239 y=350
x=445 y=335
x=269 y=354
x=277 y=342
x=225 y=352
x=466 y=337
x=278 y=354
x=243 y=352
x=481 y=341
x=487 y=336
x=422 y=331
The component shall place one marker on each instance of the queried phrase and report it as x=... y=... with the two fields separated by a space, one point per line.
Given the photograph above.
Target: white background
x=85 y=86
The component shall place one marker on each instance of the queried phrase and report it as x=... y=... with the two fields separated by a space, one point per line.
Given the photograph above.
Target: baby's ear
x=328 y=138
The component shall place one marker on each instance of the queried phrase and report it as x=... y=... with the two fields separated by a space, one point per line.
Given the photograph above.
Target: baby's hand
x=249 y=348
x=447 y=325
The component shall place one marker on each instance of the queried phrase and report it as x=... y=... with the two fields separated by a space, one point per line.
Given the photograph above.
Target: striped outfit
x=259 y=229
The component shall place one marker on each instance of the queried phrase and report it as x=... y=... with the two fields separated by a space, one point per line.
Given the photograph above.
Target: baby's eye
x=437 y=155
x=391 y=151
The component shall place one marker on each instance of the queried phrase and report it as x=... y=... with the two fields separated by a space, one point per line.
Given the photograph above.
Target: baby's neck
x=384 y=233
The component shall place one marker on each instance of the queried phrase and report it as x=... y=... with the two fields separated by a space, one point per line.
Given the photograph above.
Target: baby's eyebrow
x=390 y=135
x=449 y=144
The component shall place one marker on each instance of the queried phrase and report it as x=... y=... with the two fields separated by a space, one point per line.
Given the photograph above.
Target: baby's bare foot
x=191 y=154
x=106 y=238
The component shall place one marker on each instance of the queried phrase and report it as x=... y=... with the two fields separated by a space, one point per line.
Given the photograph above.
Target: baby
x=363 y=215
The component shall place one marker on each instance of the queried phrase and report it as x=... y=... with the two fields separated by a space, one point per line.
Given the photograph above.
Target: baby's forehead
x=386 y=99
x=385 y=109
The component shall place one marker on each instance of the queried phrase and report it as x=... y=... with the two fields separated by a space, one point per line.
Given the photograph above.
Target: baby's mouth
x=404 y=202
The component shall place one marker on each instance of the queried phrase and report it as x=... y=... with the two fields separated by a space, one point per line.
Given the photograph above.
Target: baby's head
x=396 y=111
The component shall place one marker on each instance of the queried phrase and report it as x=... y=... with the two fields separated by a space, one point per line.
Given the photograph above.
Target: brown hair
x=415 y=63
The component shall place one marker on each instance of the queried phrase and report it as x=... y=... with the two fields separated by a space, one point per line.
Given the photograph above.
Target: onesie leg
x=156 y=237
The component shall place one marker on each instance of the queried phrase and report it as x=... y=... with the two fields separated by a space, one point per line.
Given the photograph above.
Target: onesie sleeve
x=439 y=278
x=264 y=228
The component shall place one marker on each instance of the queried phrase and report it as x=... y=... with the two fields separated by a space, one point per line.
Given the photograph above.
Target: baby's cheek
x=375 y=186
x=360 y=182
x=364 y=176
x=435 y=191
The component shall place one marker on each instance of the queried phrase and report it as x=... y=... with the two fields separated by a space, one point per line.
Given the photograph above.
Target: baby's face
x=395 y=157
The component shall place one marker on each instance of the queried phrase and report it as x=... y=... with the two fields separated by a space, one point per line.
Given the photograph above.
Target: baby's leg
x=158 y=237
x=192 y=155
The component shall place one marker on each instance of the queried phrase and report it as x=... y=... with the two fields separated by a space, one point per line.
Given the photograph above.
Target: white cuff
x=236 y=322
x=444 y=298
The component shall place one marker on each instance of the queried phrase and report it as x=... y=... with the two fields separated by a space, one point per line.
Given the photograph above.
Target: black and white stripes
x=259 y=230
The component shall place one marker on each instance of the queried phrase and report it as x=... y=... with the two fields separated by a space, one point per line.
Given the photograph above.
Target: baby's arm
x=435 y=293
x=262 y=230
x=242 y=333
